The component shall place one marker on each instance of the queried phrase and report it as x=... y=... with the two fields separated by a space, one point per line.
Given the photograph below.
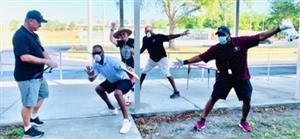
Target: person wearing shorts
x=30 y=58
x=116 y=80
x=232 y=70
x=158 y=56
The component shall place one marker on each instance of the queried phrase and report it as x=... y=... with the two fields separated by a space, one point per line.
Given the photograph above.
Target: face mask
x=148 y=34
x=223 y=40
x=97 y=58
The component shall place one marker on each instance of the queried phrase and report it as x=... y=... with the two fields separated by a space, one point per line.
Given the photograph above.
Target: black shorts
x=243 y=89
x=123 y=85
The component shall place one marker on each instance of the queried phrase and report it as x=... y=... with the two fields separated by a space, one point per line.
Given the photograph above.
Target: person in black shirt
x=126 y=45
x=158 y=56
x=121 y=39
x=30 y=58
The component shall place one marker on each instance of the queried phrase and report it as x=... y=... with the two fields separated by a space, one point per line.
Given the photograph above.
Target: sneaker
x=199 y=125
x=36 y=122
x=110 y=112
x=245 y=126
x=176 y=94
x=33 y=133
x=125 y=127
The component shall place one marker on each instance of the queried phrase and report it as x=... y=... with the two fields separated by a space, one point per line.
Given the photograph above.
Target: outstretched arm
x=173 y=36
x=267 y=34
x=283 y=26
x=193 y=59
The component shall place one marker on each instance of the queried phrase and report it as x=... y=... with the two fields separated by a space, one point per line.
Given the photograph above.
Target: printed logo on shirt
x=154 y=40
x=126 y=53
x=236 y=48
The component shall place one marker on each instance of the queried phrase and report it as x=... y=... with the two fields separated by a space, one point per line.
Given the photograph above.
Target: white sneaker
x=126 y=126
x=114 y=111
x=110 y=112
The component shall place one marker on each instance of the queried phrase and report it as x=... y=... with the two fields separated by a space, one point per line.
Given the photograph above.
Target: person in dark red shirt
x=158 y=56
x=230 y=55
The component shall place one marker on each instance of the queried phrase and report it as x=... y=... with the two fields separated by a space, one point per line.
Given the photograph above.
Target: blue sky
x=76 y=10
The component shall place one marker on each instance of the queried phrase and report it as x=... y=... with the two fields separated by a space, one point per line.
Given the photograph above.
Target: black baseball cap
x=223 y=30
x=34 y=14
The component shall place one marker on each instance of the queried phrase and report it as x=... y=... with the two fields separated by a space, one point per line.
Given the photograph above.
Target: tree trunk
x=171 y=31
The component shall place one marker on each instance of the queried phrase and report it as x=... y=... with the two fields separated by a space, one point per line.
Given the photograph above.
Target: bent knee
x=118 y=93
x=99 y=89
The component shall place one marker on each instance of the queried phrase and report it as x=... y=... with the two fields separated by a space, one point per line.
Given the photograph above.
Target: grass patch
x=11 y=132
x=267 y=122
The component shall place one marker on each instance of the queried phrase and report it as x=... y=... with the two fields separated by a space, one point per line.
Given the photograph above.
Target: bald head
x=148 y=29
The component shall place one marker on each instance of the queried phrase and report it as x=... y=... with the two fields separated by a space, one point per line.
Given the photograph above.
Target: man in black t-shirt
x=30 y=58
x=126 y=45
x=158 y=56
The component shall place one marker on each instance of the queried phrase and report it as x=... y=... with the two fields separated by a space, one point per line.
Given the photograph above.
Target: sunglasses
x=123 y=34
x=96 y=53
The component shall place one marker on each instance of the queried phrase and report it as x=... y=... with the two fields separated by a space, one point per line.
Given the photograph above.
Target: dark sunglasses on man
x=96 y=53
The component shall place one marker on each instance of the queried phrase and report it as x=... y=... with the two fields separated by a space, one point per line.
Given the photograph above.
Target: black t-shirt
x=125 y=52
x=25 y=42
x=155 y=46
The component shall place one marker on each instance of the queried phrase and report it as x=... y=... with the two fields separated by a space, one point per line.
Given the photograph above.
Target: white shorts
x=162 y=64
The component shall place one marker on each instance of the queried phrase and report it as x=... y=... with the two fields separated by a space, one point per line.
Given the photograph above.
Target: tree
x=55 y=25
x=176 y=9
x=188 y=22
x=14 y=24
x=162 y=24
x=282 y=9
x=252 y=21
x=72 y=26
x=220 y=12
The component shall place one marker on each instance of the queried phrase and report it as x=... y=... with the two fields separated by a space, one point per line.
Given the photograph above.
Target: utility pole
x=1 y=38
x=297 y=93
x=121 y=13
x=236 y=18
x=137 y=7
x=90 y=28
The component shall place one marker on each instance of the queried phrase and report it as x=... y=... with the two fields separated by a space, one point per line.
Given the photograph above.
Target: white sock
x=33 y=116
x=26 y=128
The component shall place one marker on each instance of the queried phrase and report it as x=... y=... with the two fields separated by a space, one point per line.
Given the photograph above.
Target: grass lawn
x=271 y=123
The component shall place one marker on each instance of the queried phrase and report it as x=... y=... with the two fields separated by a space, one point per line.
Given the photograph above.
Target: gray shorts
x=32 y=91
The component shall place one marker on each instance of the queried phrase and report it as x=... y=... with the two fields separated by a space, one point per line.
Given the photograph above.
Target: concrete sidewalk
x=73 y=109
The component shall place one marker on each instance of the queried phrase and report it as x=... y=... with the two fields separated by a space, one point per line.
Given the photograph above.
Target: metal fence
x=69 y=61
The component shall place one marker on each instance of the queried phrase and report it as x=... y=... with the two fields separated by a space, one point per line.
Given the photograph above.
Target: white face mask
x=148 y=34
x=223 y=40
x=97 y=58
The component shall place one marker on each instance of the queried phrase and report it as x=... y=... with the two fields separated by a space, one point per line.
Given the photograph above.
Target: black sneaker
x=36 y=122
x=176 y=94
x=33 y=133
